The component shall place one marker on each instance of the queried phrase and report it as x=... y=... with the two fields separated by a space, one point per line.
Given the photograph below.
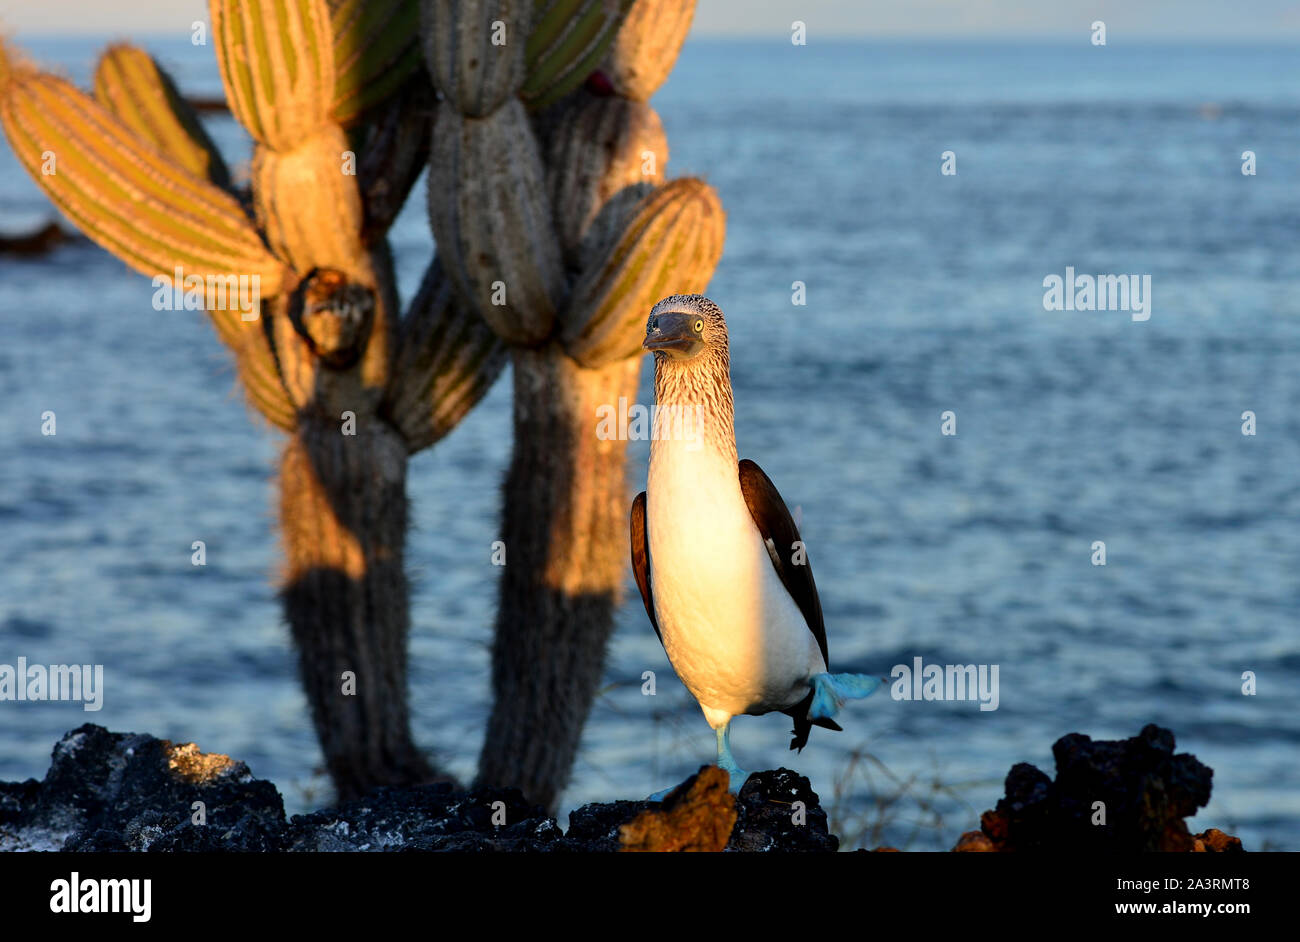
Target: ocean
x=924 y=295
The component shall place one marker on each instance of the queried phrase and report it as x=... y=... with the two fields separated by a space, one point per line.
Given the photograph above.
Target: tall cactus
x=324 y=355
x=550 y=211
x=556 y=233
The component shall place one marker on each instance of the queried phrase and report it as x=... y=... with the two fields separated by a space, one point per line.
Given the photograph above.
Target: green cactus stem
x=492 y=221
x=671 y=246
x=647 y=46
x=123 y=192
x=568 y=40
x=448 y=358
x=376 y=50
x=475 y=51
x=595 y=148
x=277 y=63
x=129 y=83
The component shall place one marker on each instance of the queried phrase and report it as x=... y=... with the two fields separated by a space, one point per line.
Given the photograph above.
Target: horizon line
x=990 y=37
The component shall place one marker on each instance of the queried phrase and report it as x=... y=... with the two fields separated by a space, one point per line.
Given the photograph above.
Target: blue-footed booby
x=717 y=557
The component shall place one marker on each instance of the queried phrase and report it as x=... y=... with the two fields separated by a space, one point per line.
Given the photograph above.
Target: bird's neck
x=697 y=394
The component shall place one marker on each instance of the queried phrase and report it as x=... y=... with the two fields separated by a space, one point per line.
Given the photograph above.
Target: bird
x=716 y=555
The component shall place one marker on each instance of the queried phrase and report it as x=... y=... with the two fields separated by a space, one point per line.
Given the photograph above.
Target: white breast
x=735 y=637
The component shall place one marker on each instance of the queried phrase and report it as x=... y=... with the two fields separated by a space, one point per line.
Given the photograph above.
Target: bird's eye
x=699 y=326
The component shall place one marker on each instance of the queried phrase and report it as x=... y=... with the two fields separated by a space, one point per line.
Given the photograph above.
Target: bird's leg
x=831 y=690
x=726 y=761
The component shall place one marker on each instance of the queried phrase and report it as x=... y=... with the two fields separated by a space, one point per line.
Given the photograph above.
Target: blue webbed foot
x=831 y=690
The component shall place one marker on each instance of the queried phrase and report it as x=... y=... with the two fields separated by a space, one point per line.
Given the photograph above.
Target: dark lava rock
x=121 y=792
x=767 y=817
x=427 y=818
x=128 y=792
x=596 y=826
x=1146 y=791
x=770 y=819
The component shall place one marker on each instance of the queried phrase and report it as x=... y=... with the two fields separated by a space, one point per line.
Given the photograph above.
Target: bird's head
x=683 y=327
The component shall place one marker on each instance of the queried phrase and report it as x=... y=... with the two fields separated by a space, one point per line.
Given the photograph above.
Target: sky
x=1233 y=20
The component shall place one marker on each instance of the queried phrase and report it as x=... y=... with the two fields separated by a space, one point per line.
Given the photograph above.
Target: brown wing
x=773 y=520
x=641 y=559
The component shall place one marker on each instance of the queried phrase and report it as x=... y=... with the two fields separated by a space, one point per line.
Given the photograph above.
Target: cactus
x=152 y=213
x=394 y=152
x=559 y=232
x=492 y=221
x=123 y=192
x=555 y=232
x=136 y=173
x=440 y=331
x=289 y=190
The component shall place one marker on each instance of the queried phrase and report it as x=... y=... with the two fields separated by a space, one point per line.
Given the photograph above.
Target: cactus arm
x=309 y=209
x=596 y=148
x=277 y=64
x=492 y=221
x=467 y=60
x=448 y=359
x=568 y=40
x=647 y=46
x=670 y=246
x=129 y=83
x=127 y=196
x=259 y=373
x=376 y=50
x=123 y=193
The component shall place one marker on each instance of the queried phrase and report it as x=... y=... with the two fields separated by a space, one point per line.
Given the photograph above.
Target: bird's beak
x=671 y=333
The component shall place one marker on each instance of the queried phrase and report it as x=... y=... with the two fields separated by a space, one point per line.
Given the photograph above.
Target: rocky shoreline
x=124 y=792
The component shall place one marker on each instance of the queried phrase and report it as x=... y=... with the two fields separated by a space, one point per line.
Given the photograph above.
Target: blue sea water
x=924 y=295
